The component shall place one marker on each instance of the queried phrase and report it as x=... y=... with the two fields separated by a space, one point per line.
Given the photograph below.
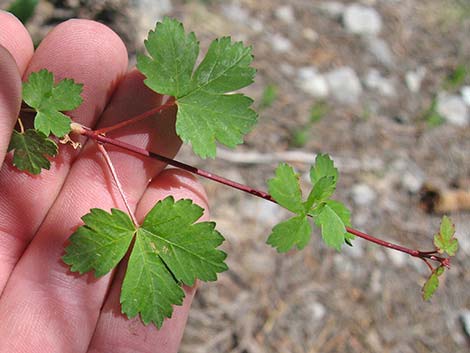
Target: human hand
x=43 y=306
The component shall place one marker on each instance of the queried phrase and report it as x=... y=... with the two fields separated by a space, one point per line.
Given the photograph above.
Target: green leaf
x=149 y=288
x=322 y=190
x=189 y=250
x=49 y=100
x=332 y=226
x=445 y=241
x=31 y=149
x=170 y=249
x=204 y=118
x=293 y=232
x=101 y=243
x=206 y=114
x=323 y=167
x=173 y=56
x=432 y=283
x=285 y=189
x=23 y=9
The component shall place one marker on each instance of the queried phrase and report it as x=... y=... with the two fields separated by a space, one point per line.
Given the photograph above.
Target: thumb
x=10 y=98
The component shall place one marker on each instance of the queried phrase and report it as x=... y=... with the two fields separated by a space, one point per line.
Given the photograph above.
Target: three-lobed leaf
x=50 y=100
x=31 y=149
x=169 y=249
x=445 y=241
x=206 y=113
x=330 y=215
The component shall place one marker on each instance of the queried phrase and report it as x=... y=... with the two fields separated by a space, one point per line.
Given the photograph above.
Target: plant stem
x=169 y=103
x=110 y=164
x=103 y=139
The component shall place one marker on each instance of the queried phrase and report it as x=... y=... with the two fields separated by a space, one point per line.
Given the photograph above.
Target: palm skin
x=43 y=306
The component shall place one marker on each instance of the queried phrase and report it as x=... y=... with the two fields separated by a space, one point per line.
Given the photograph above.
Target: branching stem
x=95 y=135
x=169 y=103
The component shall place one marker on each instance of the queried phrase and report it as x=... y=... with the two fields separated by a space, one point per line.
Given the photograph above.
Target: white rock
x=465 y=319
x=312 y=82
x=318 y=311
x=465 y=92
x=235 y=13
x=286 y=14
x=280 y=43
x=344 y=85
x=332 y=9
x=375 y=81
x=414 y=79
x=363 y=194
x=380 y=49
x=412 y=182
x=360 y=19
x=453 y=109
x=398 y=258
x=310 y=34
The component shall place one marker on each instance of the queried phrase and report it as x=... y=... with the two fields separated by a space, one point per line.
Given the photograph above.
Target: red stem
x=169 y=103
x=103 y=139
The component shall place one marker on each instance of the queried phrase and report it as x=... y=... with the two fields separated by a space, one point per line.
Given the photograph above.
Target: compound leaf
x=49 y=100
x=169 y=250
x=101 y=243
x=445 y=240
x=293 y=232
x=31 y=149
x=206 y=114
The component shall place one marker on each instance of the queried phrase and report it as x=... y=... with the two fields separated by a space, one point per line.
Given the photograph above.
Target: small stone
x=412 y=182
x=280 y=43
x=285 y=14
x=398 y=258
x=375 y=81
x=344 y=85
x=414 y=79
x=360 y=19
x=333 y=9
x=453 y=109
x=256 y=25
x=235 y=13
x=311 y=82
x=465 y=320
x=318 y=311
x=380 y=49
x=465 y=92
x=363 y=194
x=310 y=34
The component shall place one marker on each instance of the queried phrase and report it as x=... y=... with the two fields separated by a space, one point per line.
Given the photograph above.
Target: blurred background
x=381 y=85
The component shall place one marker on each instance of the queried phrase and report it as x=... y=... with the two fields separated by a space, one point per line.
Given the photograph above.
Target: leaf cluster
x=330 y=215
x=206 y=111
x=169 y=249
x=49 y=100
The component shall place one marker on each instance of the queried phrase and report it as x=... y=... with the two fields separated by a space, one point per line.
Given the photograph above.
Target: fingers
x=16 y=49
x=10 y=98
x=15 y=38
x=41 y=282
x=114 y=332
x=93 y=55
